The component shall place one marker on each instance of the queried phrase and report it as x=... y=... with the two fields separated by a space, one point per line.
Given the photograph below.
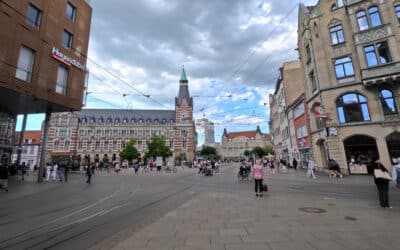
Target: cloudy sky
x=231 y=50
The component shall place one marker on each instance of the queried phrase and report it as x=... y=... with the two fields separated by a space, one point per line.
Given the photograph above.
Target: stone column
x=44 y=146
x=21 y=139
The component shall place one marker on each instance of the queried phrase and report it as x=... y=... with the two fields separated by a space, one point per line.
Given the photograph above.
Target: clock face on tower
x=184 y=117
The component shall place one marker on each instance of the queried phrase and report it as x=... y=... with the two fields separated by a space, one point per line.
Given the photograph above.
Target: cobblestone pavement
x=297 y=213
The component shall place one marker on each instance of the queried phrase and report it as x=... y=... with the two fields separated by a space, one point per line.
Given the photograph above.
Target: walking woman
x=383 y=185
x=258 y=176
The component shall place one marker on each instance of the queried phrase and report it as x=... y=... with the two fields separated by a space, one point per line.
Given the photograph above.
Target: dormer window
x=109 y=120
x=125 y=120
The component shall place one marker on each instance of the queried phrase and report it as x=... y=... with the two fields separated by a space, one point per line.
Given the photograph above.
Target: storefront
x=360 y=151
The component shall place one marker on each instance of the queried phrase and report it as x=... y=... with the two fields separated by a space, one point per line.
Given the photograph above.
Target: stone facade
x=92 y=132
x=289 y=124
x=234 y=144
x=350 y=58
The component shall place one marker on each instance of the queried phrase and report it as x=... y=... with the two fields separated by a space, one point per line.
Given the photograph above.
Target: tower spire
x=184 y=90
x=183 y=76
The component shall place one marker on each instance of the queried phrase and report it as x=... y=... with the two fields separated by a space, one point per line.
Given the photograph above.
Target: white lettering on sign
x=56 y=54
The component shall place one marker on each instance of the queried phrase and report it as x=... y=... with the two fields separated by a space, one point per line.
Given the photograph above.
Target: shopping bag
x=379 y=174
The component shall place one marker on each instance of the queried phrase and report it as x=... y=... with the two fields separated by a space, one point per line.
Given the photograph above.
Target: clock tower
x=185 y=141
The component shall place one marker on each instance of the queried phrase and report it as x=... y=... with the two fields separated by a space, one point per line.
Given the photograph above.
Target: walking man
x=48 y=171
x=54 y=171
x=311 y=167
x=294 y=163
x=89 y=173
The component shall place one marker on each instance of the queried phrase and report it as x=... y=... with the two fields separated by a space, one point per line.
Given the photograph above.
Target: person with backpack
x=258 y=176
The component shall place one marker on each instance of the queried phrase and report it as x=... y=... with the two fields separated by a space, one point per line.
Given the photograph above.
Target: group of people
x=208 y=167
x=55 y=171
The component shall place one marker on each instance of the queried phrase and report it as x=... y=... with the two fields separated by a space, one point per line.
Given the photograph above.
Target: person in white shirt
x=396 y=171
x=54 y=172
x=48 y=171
x=311 y=167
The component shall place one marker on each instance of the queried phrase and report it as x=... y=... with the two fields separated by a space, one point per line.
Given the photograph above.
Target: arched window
x=66 y=145
x=388 y=102
x=374 y=17
x=362 y=20
x=339 y=3
x=397 y=9
x=352 y=107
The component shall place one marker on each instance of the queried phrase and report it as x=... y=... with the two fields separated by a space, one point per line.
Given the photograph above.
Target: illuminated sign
x=56 y=54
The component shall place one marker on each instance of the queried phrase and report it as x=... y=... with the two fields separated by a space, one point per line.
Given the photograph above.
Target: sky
x=231 y=51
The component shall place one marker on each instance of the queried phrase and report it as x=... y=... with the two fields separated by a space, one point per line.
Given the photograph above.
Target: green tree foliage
x=208 y=151
x=247 y=153
x=268 y=150
x=157 y=147
x=258 y=151
x=130 y=152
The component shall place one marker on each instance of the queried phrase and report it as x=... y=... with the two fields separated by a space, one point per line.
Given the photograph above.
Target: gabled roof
x=34 y=135
x=248 y=134
x=130 y=115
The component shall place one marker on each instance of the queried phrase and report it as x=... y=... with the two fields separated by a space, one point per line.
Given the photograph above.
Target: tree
x=258 y=151
x=268 y=150
x=130 y=152
x=208 y=151
x=157 y=147
x=246 y=153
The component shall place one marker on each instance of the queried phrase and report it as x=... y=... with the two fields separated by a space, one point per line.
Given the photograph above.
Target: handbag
x=379 y=174
x=265 y=188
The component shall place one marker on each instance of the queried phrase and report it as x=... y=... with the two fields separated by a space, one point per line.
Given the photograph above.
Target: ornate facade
x=97 y=132
x=350 y=55
x=234 y=144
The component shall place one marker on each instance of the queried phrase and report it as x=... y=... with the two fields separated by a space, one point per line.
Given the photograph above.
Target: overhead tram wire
x=251 y=54
x=87 y=57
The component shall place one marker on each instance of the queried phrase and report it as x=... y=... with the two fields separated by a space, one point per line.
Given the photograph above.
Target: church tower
x=185 y=141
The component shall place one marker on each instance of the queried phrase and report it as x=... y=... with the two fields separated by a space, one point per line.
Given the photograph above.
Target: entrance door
x=360 y=151
x=323 y=152
x=393 y=144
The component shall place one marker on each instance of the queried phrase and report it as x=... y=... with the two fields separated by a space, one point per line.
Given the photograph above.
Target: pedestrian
x=22 y=168
x=48 y=171
x=54 y=171
x=4 y=176
x=382 y=184
x=136 y=167
x=294 y=163
x=89 y=172
x=334 y=169
x=258 y=176
x=396 y=171
x=66 y=173
x=311 y=168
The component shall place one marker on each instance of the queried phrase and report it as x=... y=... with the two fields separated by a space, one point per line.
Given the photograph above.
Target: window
x=337 y=35
x=374 y=16
x=131 y=132
x=62 y=80
x=299 y=110
x=313 y=81
x=90 y=132
x=344 y=67
x=106 y=145
x=98 y=132
x=97 y=145
x=302 y=132
x=365 y=21
x=362 y=20
x=147 y=132
x=89 y=145
x=56 y=145
x=25 y=64
x=377 y=54
x=114 y=146
x=115 y=132
x=397 y=8
x=123 y=132
x=352 y=107
x=80 y=145
x=339 y=3
x=308 y=53
x=388 y=102
x=107 y=132
x=67 y=39
x=71 y=12
x=66 y=145
x=33 y=15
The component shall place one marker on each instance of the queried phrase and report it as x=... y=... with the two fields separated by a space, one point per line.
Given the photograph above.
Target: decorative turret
x=184 y=98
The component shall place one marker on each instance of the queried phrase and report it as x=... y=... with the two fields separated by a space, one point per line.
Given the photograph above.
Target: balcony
x=381 y=74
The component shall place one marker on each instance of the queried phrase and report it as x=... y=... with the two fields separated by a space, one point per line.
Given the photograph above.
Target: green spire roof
x=183 y=76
